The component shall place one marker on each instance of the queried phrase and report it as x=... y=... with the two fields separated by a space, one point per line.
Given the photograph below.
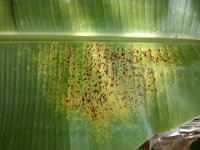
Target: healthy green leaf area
x=96 y=74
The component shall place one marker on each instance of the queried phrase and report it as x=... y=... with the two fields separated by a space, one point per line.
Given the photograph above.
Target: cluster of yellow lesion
x=102 y=81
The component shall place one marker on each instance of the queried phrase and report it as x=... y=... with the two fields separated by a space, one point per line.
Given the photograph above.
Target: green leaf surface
x=113 y=17
x=7 y=20
x=96 y=74
x=95 y=95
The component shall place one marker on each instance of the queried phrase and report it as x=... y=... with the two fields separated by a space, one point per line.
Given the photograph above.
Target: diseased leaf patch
x=102 y=81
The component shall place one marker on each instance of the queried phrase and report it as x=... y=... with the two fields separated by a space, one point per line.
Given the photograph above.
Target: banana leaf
x=96 y=74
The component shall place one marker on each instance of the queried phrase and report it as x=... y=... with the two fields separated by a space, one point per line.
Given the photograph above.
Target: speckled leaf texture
x=96 y=74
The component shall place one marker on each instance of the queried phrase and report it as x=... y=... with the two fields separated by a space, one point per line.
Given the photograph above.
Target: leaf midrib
x=95 y=38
